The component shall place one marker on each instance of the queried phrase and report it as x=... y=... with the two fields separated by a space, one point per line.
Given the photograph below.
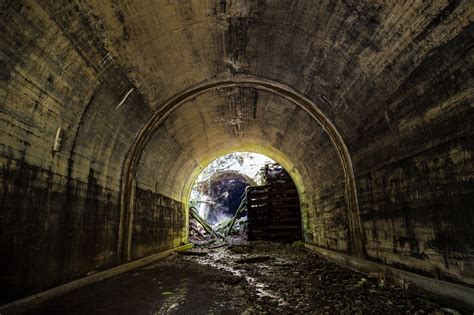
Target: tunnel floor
x=251 y=279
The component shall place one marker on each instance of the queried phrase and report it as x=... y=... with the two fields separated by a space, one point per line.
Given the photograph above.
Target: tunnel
x=111 y=109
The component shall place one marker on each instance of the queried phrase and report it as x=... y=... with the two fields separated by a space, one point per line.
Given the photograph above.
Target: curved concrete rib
x=129 y=170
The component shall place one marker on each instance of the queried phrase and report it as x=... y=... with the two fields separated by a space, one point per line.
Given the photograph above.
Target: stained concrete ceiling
x=358 y=61
x=234 y=118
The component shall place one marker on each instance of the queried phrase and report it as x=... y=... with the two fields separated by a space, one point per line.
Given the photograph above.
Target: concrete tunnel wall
x=394 y=78
x=227 y=119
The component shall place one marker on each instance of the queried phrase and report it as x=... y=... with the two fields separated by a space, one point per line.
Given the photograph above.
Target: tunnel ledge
x=455 y=295
x=31 y=301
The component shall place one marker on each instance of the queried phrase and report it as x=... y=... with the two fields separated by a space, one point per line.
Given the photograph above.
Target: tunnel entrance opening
x=243 y=196
x=181 y=103
x=218 y=199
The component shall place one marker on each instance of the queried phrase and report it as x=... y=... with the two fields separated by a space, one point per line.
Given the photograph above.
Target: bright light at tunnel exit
x=218 y=189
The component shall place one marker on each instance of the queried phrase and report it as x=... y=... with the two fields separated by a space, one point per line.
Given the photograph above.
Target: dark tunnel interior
x=109 y=110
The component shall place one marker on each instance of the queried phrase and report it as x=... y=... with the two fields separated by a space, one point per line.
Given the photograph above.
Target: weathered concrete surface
x=394 y=78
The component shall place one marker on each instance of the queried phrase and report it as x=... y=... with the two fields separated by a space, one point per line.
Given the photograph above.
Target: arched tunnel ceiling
x=232 y=118
x=353 y=54
x=248 y=114
x=382 y=72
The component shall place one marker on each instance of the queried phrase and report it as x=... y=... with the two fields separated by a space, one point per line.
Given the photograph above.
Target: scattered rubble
x=254 y=259
x=288 y=279
x=192 y=253
x=228 y=232
x=253 y=278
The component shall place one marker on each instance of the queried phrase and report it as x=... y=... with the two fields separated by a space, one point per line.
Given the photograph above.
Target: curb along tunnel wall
x=406 y=121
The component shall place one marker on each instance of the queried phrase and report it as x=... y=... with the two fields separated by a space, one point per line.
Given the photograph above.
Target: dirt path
x=251 y=279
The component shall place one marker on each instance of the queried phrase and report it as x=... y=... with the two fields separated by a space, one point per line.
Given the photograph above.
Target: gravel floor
x=286 y=280
x=248 y=279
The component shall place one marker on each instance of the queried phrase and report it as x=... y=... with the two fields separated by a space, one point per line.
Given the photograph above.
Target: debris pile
x=227 y=232
x=217 y=198
x=269 y=211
